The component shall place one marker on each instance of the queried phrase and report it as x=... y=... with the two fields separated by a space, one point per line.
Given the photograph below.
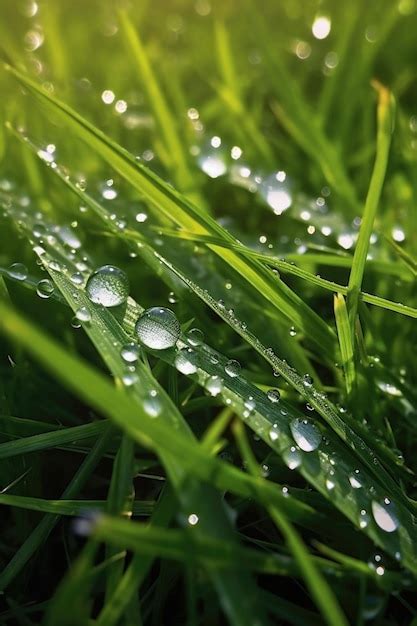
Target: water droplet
x=307 y=380
x=77 y=278
x=45 y=288
x=130 y=352
x=385 y=515
x=330 y=484
x=129 y=378
x=293 y=332
x=292 y=457
x=186 y=361
x=75 y=322
x=354 y=480
x=273 y=434
x=306 y=434
x=195 y=337
x=172 y=298
x=232 y=368
x=158 y=328
x=273 y=395
x=214 y=385
x=108 y=286
x=192 y=519
x=250 y=403
x=83 y=314
x=364 y=519
x=18 y=271
x=152 y=404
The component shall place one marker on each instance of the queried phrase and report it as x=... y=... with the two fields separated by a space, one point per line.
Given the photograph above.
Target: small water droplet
x=130 y=352
x=152 y=404
x=108 y=286
x=192 y=519
x=273 y=395
x=385 y=515
x=292 y=457
x=18 y=271
x=129 y=378
x=186 y=361
x=158 y=328
x=77 y=278
x=355 y=481
x=214 y=385
x=273 y=434
x=307 y=380
x=83 y=314
x=195 y=337
x=293 y=332
x=232 y=368
x=364 y=519
x=306 y=434
x=45 y=288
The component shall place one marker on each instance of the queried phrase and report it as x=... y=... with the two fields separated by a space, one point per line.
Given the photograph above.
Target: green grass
x=261 y=183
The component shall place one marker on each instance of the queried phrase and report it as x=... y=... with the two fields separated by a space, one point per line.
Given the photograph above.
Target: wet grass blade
x=345 y=341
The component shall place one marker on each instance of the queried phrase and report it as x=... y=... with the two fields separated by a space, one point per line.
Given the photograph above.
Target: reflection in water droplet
x=385 y=515
x=232 y=368
x=306 y=434
x=158 y=328
x=186 y=361
x=273 y=434
x=108 y=286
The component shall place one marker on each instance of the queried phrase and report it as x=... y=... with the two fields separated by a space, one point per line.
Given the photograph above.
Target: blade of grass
x=323 y=596
x=70 y=507
x=345 y=341
x=191 y=218
x=385 y=119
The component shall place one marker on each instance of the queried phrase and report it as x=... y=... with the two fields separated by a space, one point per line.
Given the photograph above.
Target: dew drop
x=195 y=337
x=214 y=385
x=77 y=278
x=186 y=361
x=192 y=519
x=306 y=435
x=307 y=380
x=364 y=519
x=108 y=286
x=45 y=288
x=129 y=378
x=273 y=434
x=83 y=314
x=158 y=328
x=273 y=395
x=293 y=332
x=18 y=271
x=292 y=457
x=232 y=368
x=152 y=404
x=354 y=480
x=385 y=515
x=130 y=352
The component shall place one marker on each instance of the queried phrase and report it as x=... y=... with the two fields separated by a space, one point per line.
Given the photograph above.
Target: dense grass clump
x=208 y=260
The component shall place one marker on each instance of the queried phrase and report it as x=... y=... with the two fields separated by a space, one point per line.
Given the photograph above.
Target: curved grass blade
x=188 y=216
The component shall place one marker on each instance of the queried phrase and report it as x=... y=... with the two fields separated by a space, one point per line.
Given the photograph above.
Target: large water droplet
x=108 y=286
x=18 y=271
x=186 y=361
x=158 y=328
x=385 y=515
x=232 y=368
x=45 y=288
x=306 y=435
